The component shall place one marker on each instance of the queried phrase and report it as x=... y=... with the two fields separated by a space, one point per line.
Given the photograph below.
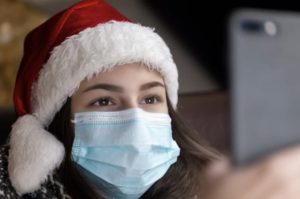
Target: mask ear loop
x=74 y=120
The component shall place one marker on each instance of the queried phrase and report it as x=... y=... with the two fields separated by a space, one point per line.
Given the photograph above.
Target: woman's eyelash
x=103 y=101
x=152 y=99
x=108 y=101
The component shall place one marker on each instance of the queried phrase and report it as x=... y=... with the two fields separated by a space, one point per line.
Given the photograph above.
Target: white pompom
x=34 y=153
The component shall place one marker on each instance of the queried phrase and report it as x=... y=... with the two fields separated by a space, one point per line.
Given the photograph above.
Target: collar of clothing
x=51 y=188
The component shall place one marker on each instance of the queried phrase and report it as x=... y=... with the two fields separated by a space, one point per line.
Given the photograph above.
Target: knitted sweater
x=50 y=189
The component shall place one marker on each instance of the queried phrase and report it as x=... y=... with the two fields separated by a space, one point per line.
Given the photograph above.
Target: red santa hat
x=88 y=38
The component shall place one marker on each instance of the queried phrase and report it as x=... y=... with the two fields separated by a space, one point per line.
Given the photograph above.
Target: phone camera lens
x=252 y=26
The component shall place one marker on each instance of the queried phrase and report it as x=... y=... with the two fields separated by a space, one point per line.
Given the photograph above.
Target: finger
x=276 y=173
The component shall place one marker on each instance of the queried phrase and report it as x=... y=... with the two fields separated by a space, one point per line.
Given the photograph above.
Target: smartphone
x=264 y=62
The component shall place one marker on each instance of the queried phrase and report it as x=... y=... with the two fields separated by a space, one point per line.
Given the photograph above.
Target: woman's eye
x=151 y=100
x=103 y=102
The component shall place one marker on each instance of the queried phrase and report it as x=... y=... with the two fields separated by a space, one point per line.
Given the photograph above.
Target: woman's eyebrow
x=115 y=88
x=109 y=87
x=151 y=85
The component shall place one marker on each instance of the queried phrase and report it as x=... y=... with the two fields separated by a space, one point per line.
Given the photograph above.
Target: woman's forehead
x=125 y=74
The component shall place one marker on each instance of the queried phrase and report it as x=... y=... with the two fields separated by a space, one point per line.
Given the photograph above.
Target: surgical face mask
x=127 y=150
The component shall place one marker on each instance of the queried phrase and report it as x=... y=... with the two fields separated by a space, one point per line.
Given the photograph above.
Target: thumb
x=217 y=169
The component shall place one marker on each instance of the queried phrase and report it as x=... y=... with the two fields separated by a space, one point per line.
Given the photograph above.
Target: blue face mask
x=127 y=150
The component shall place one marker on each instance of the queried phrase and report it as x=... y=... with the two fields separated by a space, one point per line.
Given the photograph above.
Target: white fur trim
x=34 y=153
x=95 y=50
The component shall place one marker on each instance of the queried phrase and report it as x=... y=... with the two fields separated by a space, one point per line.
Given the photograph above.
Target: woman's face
x=124 y=87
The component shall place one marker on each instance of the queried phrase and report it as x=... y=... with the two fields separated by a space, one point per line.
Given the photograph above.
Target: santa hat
x=88 y=38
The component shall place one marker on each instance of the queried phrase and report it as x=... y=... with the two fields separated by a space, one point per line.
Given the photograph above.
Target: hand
x=275 y=177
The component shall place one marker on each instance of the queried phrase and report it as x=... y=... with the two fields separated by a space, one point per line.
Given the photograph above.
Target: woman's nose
x=130 y=102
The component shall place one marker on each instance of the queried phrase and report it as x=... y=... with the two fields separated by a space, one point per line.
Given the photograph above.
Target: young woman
x=96 y=97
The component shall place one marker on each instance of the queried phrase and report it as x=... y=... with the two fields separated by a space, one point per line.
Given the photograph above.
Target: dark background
x=202 y=25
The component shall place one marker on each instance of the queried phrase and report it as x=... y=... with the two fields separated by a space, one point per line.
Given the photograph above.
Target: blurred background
x=195 y=32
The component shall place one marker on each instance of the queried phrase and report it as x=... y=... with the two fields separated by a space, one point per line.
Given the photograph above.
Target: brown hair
x=182 y=180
